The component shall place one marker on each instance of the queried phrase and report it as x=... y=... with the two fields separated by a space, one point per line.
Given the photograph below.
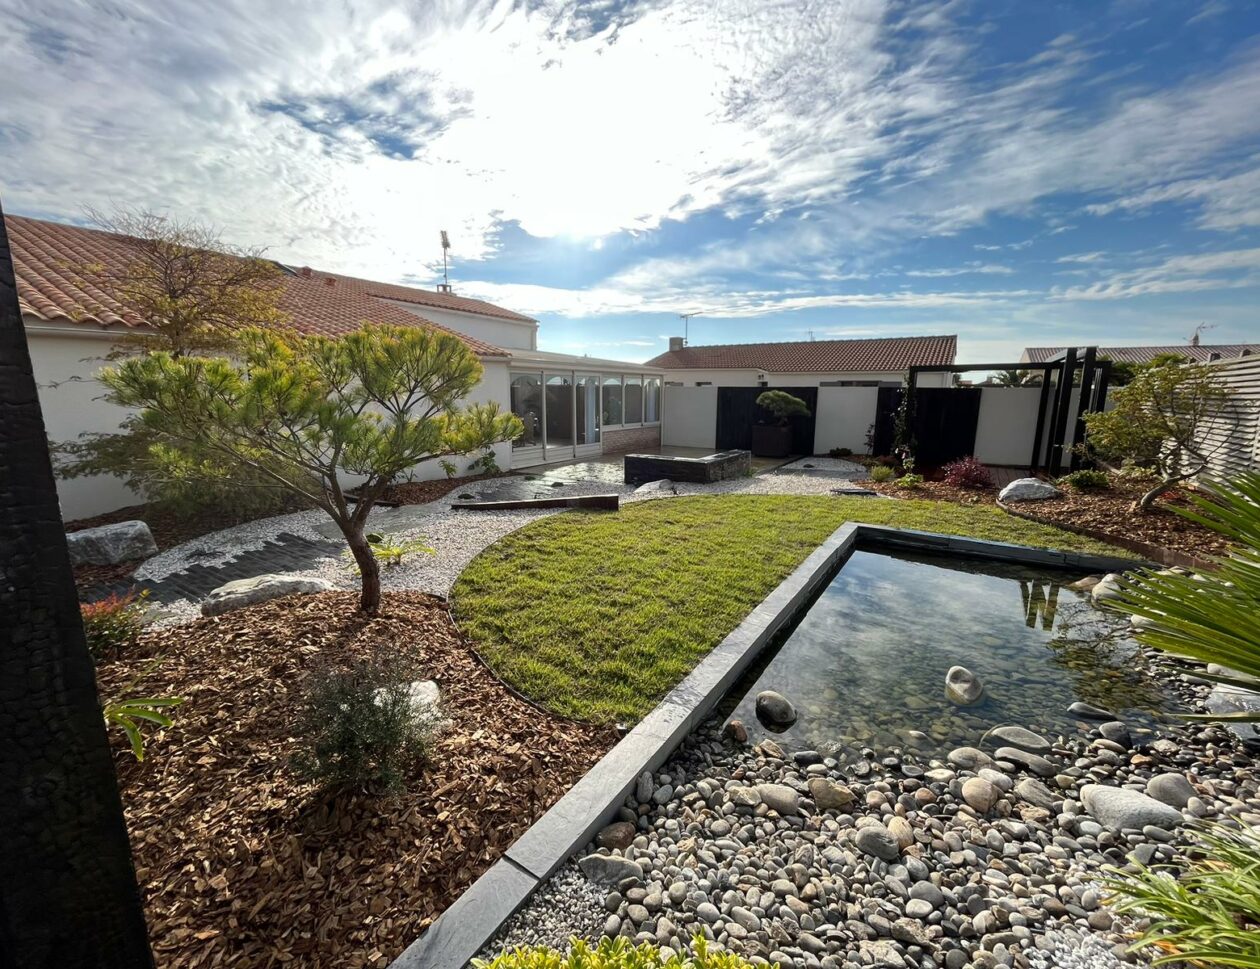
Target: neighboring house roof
x=48 y=258
x=815 y=356
x=1201 y=353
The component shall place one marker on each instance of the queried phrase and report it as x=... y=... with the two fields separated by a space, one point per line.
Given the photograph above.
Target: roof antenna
x=1198 y=331
x=686 y=318
x=445 y=285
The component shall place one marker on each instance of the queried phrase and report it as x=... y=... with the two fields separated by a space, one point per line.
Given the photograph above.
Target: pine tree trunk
x=68 y=894
x=369 y=569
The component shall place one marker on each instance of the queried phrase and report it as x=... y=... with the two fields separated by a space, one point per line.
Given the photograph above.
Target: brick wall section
x=632 y=439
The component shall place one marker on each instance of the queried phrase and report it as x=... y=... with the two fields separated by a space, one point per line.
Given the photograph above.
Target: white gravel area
x=1077 y=949
x=569 y=906
x=455 y=536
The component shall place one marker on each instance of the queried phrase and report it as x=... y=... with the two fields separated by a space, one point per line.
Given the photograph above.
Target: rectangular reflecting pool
x=865 y=664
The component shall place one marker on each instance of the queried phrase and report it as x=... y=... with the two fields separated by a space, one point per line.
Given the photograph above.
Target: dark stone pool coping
x=476 y=916
x=609 y=502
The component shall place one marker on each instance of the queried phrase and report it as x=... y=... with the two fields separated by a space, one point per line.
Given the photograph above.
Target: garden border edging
x=476 y=916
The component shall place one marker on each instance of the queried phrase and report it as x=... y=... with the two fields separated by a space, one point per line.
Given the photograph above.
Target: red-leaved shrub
x=113 y=624
x=966 y=473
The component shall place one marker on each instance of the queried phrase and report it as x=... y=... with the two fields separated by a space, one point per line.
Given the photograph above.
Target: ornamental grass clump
x=881 y=473
x=616 y=953
x=1206 y=915
x=363 y=728
x=1210 y=617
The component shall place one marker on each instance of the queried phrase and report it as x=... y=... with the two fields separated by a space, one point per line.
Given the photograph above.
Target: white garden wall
x=689 y=417
x=1007 y=425
x=844 y=416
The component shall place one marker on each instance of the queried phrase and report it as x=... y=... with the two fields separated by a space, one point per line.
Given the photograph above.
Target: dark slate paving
x=288 y=553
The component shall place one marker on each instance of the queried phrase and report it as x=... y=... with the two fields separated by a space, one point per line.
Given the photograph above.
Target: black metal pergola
x=1095 y=375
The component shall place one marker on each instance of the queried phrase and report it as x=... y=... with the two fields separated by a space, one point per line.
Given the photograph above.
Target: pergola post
x=68 y=895
x=1062 y=406
x=1087 y=390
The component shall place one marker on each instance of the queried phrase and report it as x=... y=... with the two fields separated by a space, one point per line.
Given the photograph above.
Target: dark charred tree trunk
x=369 y=568
x=68 y=894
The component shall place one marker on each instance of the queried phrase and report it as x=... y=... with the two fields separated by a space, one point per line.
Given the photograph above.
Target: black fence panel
x=737 y=412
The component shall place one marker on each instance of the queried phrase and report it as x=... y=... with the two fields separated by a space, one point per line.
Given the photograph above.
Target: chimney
x=675 y=343
x=444 y=288
x=305 y=272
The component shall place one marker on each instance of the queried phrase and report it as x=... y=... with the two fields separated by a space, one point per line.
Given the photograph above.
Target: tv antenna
x=686 y=318
x=446 y=279
x=1198 y=331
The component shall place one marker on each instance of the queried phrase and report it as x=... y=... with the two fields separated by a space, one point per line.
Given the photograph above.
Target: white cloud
x=967 y=270
x=1177 y=274
x=1083 y=257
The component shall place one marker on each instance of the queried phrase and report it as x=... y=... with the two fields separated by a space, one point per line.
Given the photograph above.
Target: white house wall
x=65 y=365
x=506 y=334
x=65 y=362
x=751 y=378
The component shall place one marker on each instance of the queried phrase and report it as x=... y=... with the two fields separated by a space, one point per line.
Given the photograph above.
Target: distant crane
x=446 y=279
x=686 y=318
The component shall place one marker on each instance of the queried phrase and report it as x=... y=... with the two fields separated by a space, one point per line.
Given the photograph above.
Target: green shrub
x=881 y=472
x=113 y=624
x=782 y=405
x=388 y=549
x=840 y=452
x=133 y=714
x=1086 y=480
x=1208 y=915
x=616 y=953
x=909 y=481
x=1135 y=473
x=360 y=728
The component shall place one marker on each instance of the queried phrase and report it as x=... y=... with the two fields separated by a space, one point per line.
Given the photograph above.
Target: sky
x=1020 y=174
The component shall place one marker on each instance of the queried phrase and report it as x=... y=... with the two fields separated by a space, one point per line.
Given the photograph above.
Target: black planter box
x=771 y=440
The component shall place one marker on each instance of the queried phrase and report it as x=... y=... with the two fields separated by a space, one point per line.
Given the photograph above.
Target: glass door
x=588 y=412
x=558 y=416
x=527 y=404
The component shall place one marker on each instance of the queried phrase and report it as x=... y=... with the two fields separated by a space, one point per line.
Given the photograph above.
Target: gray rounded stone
x=1119 y=807
x=1171 y=789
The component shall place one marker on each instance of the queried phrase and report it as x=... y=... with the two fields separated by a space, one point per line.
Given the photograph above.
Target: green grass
x=597 y=615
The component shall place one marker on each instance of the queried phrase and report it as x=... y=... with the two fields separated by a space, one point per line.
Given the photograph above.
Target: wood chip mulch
x=1105 y=511
x=244 y=865
x=419 y=492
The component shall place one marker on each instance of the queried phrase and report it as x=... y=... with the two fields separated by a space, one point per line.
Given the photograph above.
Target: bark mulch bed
x=1105 y=513
x=419 y=492
x=244 y=865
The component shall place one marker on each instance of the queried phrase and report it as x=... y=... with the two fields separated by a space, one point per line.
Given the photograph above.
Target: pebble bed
x=983 y=858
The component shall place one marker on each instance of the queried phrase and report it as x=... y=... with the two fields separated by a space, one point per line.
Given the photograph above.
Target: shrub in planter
x=616 y=953
x=881 y=473
x=361 y=728
x=1086 y=480
x=967 y=473
x=113 y=624
x=775 y=440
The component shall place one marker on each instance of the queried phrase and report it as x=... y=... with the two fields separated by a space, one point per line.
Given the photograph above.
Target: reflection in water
x=866 y=664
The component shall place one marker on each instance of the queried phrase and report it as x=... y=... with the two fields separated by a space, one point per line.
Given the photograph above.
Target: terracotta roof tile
x=815 y=356
x=1201 y=353
x=47 y=257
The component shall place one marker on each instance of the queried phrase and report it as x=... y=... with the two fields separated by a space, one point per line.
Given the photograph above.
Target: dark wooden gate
x=944 y=424
x=737 y=412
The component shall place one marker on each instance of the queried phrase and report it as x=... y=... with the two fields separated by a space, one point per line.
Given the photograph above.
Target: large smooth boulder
x=261 y=588
x=774 y=709
x=609 y=870
x=962 y=686
x=111 y=544
x=1013 y=736
x=1028 y=489
x=662 y=486
x=1121 y=808
x=1108 y=587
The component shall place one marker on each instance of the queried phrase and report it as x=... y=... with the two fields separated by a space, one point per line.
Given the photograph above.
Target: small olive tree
x=1159 y=421
x=313 y=415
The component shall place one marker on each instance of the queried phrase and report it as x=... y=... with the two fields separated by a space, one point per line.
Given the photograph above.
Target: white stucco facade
x=749 y=377
x=507 y=334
